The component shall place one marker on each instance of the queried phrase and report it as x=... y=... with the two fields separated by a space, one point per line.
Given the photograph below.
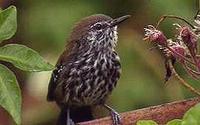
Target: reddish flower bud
x=158 y=37
x=178 y=52
x=155 y=35
x=185 y=34
x=189 y=38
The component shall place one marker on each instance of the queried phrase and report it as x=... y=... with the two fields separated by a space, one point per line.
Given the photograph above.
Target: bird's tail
x=77 y=115
x=81 y=114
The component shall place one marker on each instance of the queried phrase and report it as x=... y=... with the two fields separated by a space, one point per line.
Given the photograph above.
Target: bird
x=88 y=70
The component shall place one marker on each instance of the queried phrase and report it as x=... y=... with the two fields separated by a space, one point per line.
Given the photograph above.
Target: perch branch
x=161 y=113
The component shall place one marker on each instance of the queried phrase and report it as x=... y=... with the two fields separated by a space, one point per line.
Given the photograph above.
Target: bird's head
x=97 y=30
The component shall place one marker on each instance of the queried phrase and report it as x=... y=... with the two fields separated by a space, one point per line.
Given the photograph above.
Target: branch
x=161 y=113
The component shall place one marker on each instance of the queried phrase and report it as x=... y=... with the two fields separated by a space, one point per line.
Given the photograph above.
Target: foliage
x=23 y=58
x=20 y=56
x=8 y=23
x=191 y=117
x=146 y=122
x=174 y=122
x=10 y=98
x=183 y=48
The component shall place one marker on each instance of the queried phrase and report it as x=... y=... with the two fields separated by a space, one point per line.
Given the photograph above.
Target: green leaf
x=8 y=23
x=24 y=58
x=175 y=122
x=146 y=122
x=192 y=117
x=10 y=95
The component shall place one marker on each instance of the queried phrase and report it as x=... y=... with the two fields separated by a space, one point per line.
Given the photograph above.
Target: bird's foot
x=114 y=115
x=70 y=122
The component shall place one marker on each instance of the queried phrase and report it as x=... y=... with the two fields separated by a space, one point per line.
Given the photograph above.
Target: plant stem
x=183 y=82
x=173 y=17
x=186 y=59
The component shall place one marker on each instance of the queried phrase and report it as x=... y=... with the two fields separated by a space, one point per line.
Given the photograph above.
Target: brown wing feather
x=56 y=74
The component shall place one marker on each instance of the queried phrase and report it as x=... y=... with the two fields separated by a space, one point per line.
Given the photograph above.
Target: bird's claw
x=114 y=115
x=116 y=118
x=70 y=122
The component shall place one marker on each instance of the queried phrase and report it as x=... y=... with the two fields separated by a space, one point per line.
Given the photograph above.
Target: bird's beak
x=119 y=20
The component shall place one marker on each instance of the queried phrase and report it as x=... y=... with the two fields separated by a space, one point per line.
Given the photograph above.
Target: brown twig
x=161 y=113
x=183 y=57
x=173 y=17
x=183 y=82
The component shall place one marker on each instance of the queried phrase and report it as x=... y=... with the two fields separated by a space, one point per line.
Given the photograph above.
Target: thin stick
x=173 y=17
x=183 y=82
x=190 y=72
x=186 y=59
x=160 y=113
x=170 y=49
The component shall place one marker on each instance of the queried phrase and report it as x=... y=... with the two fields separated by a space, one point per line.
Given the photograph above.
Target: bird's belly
x=91 y=92
x=90 y=84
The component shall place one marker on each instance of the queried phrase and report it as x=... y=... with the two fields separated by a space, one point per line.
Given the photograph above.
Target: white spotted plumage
x=93 y=70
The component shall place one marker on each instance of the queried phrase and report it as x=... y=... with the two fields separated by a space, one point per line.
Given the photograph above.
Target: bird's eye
x=98 y=26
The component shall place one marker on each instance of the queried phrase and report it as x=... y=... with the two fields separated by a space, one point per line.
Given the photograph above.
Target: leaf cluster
x=21 y=57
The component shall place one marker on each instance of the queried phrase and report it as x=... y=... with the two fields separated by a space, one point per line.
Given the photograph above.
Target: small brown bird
x=87 y=71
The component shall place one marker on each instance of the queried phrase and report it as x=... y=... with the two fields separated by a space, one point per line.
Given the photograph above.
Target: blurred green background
x=45 y=25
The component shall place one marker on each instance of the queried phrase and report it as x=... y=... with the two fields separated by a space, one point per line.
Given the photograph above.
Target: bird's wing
x=57 y=73
x=53 y=84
